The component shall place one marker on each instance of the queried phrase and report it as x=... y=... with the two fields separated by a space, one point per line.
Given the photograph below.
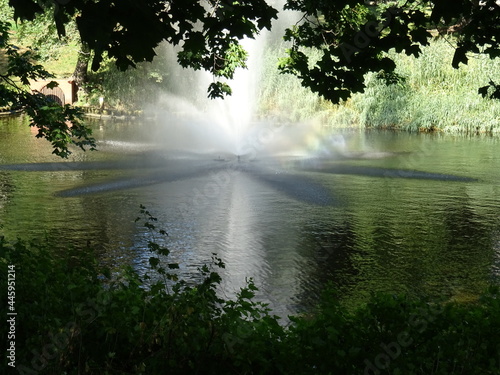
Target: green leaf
x=483 y=91
x=246 y=294
x=25 y=9
x=459 y=57
x=218 y=90
x=154 y=262
x=52 y=85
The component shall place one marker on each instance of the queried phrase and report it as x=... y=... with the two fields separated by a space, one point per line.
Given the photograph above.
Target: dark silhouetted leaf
x=460 y=56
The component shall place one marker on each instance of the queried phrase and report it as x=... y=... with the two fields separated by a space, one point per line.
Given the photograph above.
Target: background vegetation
x=432 y=95
x=426 y=93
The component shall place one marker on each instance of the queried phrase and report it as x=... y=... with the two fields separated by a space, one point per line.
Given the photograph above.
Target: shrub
x=75 y=317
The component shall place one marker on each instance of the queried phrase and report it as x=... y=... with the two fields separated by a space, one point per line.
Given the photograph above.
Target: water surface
x=424 y=220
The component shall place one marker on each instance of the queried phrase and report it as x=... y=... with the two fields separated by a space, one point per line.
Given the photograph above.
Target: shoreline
x=115 y=114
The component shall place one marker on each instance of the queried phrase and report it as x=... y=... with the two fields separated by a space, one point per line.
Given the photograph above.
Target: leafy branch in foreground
x=206 y=32
x=354 y=37
x=59 y=124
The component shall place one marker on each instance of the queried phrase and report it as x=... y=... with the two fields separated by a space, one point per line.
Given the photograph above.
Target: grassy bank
x=430 y=95
x=74 y=317
x=282 y=95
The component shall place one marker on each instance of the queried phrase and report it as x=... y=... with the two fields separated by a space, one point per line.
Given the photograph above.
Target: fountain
x=251 y=188
x=194 y=135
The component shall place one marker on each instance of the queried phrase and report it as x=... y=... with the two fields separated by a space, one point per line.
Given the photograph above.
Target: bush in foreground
x=73 y=317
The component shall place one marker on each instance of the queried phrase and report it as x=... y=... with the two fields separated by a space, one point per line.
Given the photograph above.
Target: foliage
x=41 y=36
x=208 y=34
x=354 y=38
x=349 y=38
x=398 y=335
x=423 y=94
x=76 y=317
x=283 y=98
x=388 y=101
x=129 y=90
x=58 y=124
x=7 y=13
x=89 y=321
x=58 y=54
x=424 y=98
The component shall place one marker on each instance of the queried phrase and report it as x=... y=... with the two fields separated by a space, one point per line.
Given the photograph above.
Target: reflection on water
x=423 y=221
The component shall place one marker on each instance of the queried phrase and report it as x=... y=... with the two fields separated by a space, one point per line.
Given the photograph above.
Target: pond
x=396 y=212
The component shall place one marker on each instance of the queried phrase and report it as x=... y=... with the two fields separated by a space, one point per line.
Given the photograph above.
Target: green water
x=420 y=236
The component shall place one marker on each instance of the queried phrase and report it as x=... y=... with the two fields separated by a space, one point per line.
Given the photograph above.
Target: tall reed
x=432 y=94
x=283 y=95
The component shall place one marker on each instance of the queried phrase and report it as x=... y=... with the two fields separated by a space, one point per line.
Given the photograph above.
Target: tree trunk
x=82 y=65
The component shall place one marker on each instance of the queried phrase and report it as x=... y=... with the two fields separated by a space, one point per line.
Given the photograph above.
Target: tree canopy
x=352 y=36
x=129 y=31
x=58 y=124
